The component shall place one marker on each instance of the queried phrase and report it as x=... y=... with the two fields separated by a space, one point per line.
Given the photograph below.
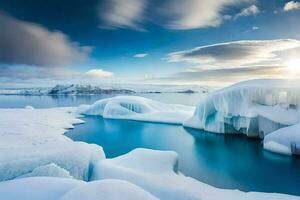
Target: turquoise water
x=220 y=160
x=223 y=161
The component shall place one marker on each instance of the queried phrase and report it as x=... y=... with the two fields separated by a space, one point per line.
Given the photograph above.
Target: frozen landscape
x=149 y=100
x=35 y=147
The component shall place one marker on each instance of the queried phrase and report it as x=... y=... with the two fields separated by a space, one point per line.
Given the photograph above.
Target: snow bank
x=32 y=138
x=37 y=188
x=156 y=172
x=48 y=170
x=108 y=189
x=138 y=108
x=257 y=108
x=50 y=188
x=140 y=174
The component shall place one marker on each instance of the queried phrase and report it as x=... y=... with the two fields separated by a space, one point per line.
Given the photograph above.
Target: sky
x=205 y=42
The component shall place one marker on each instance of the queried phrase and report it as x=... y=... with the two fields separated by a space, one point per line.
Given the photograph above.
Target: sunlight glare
x=294 y=65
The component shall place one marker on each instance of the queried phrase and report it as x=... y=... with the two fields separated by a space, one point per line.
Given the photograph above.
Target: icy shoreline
x=34 y=154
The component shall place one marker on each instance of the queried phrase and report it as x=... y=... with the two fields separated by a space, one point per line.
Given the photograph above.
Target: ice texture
x=108 y=189
x=267 y=109
x=138 y=108
x=32 y=138
x=48 y=170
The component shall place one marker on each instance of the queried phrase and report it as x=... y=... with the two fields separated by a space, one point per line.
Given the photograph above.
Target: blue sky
x=210 y=42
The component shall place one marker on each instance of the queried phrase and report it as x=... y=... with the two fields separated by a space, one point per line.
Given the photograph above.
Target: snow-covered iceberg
x=138 y=108
x=32 y=139
x=257 y=108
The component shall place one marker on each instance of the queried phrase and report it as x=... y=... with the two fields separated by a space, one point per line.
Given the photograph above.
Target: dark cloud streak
x=32 y=44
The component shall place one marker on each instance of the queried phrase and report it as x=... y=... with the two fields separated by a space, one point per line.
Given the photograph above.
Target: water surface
x=223 y=161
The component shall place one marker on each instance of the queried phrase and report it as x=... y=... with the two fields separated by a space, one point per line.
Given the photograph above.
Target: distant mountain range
x=75 y=89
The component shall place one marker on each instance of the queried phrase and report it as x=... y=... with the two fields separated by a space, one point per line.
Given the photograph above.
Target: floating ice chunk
x=48 y=170
x=285 y=140
x=29 y=107
x=138 y=108
x=108 y=189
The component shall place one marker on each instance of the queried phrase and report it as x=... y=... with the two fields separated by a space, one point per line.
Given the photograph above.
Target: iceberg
x=138 y=108
x=266 y=108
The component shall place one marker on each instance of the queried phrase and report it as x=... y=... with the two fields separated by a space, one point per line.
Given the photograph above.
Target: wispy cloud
x=191 y=14
x=32 y=44
x=291 y=5
x=236 y=54
x=251 y=10
x=99 y=73
x=172 y=14
x=225 y=63
x=140 y=55
x=122 y=14
x=219 y=77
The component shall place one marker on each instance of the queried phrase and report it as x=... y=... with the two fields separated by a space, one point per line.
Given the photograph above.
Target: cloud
x=99 y=73
x=251 y=10
x=236 y=54
x=223 y=77
x=32 y=44
x=291 y=5
x=191 y=14
x=28 y=72
x=140 y=55
x=172 y=14
x=122 y=14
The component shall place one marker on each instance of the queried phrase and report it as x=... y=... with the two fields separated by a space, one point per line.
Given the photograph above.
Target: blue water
x=223 y=161
x=220 y=160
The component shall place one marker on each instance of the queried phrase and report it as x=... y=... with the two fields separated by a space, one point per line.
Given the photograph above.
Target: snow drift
x=138 y=108
x=32 y=143
x=156 y=172
x=257 y=108
x=140 y=174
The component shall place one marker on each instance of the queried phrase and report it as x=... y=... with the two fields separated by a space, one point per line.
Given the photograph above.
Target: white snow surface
x=108 y=189
x=48 y=170
x=156 y=172
x=266 y=108
x=138 y=108
x=32 y=138
x=140 y=174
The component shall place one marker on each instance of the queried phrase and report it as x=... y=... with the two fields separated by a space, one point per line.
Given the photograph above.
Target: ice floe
x=138 y=108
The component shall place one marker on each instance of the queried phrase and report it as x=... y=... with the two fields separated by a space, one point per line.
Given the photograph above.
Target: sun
x=294 y=65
